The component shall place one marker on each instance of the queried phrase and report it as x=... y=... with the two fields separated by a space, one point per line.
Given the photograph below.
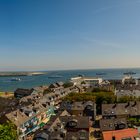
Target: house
x=87 y=108
x=113 y=124
x=125 y=134
x=56 y=85
x=55 y=128
x=39 y=89
x=29 y=118
x=20 y=92
x=54 y=120
x=66 y=128
x=121 y=110
x=89 y=81
x=129 y=80
x=115 y=82
x=76 y=127
x=60 y=84
x=105 y=82
x=53 y=86
x=56 y=96
x=75 y=123
x=127 y=90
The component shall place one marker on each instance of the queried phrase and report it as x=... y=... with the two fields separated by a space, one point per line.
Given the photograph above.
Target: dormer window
x=89 y=107
x=36 y=110
x=29 y=113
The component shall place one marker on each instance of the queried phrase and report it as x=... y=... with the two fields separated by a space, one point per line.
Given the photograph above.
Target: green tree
x=125 y=99
x=7 y=132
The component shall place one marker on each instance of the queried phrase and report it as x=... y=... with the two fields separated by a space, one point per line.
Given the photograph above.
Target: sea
x=7 y=85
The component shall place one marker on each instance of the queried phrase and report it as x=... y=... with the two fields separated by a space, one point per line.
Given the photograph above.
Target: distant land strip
x=8 y=74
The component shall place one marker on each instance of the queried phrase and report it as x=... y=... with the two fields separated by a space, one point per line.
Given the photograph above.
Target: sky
x=69 y=34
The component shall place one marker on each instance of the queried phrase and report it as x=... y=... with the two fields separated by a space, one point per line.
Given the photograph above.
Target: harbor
x=48 y=77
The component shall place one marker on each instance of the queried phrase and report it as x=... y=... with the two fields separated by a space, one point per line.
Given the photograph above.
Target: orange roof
x=120 y=134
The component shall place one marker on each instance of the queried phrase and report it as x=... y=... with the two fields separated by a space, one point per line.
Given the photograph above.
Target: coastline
x=39 y=79
x=11 y=74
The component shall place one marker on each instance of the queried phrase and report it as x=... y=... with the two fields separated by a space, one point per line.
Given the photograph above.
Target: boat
x=129 y=73
x=15 y=79
x=102 y=73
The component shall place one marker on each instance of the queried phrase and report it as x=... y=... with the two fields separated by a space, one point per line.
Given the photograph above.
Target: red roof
x=120 y=134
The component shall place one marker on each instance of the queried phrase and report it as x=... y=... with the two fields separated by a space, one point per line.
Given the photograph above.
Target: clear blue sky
x=69 y=34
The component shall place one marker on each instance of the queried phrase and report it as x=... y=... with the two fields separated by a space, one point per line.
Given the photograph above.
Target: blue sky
x=69 y=34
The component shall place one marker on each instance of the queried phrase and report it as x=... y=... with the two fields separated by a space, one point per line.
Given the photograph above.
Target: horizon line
x=70 y=69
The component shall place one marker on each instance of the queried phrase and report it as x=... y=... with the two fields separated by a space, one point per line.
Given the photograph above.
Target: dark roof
x=80 y=135
x=128 y=87
x=55 y=118
x=130 y=108
x=42 y=135
x=76 y=105
x=54 y=85
x=63 y=135
x=113 y=124
x=23 y=91
x=60 y=83
x=75 y=122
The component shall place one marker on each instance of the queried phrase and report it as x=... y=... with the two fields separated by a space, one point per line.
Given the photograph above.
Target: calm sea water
x=32 y=81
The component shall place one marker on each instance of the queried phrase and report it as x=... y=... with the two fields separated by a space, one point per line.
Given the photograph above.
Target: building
x=125 y=134
x=39 y=89
x=29 y=118
x=66 y=128
x=129 y=80
x=55 y=97
x=113 y=124
x=127 y=90
x=55 y=86
x=20 y=92
x=123 y=110
x=89 y=81
x=87 y=108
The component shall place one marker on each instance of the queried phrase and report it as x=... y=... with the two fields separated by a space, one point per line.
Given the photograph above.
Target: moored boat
x=15 y=79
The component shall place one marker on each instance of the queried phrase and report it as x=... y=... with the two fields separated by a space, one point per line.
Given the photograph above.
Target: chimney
x=113 y=138
x=134 y=104
x=127 y=105
x=114 y=106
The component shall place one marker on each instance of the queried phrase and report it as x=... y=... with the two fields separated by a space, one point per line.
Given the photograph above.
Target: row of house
x=74 y=119
x=65 y=127
x=114 y=124
x=72 y=122
x=127 y=90
x=20 y=92
x=87 y=108
x=29 y=118
x=34 y=108
x=42 y=107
